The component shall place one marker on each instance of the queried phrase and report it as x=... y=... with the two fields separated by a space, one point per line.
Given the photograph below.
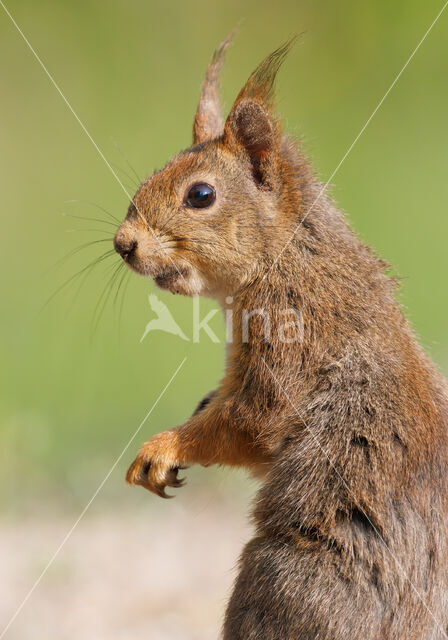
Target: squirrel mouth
x=165 y=279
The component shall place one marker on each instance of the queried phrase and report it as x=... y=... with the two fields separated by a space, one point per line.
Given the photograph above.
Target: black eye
x=200 y=196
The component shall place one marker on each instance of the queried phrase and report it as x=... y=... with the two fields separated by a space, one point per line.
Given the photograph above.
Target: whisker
x=125 y=173
x=163 y=227
x=78 y=249
x=127 y=162
x=76 y=275
x=123 y=295
x=81 y=284
x=71 y=215
x=104 y=297
x=89 y=229
x=93 y=204
x=120 y=282
x=113 y=270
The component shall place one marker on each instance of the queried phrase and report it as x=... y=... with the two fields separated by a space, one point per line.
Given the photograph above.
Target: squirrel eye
x=200 y=196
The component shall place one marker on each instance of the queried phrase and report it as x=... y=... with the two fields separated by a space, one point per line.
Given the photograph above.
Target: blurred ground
x=160 y=573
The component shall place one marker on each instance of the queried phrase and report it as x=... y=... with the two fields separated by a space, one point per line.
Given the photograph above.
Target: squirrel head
x=205 y=223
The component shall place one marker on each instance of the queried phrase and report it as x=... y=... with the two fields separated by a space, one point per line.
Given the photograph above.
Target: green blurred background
x=74 y=390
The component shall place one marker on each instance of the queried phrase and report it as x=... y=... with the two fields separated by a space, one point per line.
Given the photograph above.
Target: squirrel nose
x=125 y=246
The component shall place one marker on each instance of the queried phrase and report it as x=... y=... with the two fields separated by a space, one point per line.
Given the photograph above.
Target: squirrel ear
x=208 y=123
x=250 y=127
x=251 y=124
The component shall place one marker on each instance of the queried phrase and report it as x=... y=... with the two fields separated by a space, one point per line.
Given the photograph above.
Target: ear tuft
x=208 y=122
x=260 y=85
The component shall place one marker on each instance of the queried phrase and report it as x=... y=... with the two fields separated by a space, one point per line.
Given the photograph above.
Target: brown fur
x=348 y=427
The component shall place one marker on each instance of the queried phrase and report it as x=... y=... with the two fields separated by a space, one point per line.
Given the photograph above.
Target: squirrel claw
x=156 y=467
x=177 y=483
x=172 y=479
x=161 y=493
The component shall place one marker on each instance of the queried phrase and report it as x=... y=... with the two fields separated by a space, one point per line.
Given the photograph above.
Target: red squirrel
x=346 y=427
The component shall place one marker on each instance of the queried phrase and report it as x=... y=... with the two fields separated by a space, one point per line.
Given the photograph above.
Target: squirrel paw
x=157 y=465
